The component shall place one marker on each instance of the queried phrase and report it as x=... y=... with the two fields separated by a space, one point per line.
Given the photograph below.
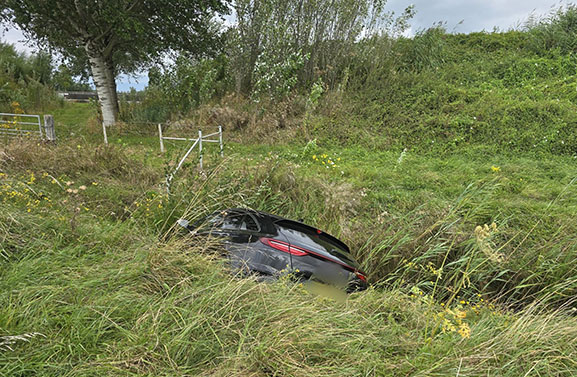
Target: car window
x=230 y=221
x=240 y=221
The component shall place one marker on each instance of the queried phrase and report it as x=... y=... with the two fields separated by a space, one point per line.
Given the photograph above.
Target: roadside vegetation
x=95 y=281
x=448 y=164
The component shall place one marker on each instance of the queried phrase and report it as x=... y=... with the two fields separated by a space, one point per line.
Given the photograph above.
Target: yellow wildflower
x=464 y=330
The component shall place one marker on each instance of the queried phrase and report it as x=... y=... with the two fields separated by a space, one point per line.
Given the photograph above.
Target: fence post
x=160 y=138
x=200 y=148
x=220 y=141
x=49 y=130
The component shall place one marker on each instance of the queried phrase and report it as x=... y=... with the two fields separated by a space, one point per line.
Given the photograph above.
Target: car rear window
x=308 y=237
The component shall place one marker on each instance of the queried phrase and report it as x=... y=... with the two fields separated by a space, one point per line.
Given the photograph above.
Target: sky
x=459 y=16
x=476 y=15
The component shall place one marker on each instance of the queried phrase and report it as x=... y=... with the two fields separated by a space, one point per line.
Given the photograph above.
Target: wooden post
x=160 y=138
x=49 y=130
x=200 y=148
x=220 y=141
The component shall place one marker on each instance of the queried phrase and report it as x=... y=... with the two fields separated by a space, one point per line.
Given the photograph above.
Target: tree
x=63 y=79
x=115 y=36
x=275 y=36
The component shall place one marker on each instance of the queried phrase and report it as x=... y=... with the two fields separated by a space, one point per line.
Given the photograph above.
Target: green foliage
x=425 y=51
x=272 y=34
x=558 y=32
x=178 y=89
x=276 y=79
x=117 y=36
x=449 y=171
x=95 y=280
x=26 y=80
x=435 y=92
x=444 y=92
x=317 y=91
x=64 y=79
x=131 y=34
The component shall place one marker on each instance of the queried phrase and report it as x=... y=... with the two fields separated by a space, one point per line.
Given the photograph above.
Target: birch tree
x=115 y=36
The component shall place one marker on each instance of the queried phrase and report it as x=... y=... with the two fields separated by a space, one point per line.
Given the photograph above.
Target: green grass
x=467 y=235
x=73 y=114
x=102 y=285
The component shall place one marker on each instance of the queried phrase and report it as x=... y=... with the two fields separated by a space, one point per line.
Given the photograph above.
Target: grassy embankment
x=95 y=281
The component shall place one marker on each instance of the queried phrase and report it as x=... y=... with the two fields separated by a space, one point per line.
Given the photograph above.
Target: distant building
x=78 y=96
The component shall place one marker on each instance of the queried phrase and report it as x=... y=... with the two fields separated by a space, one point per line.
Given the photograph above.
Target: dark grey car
x=270 y=245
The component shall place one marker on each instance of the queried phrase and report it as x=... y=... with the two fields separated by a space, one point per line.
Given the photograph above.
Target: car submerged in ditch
x=270 y=246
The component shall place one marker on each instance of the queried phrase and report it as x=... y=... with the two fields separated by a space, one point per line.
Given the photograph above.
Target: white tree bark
x=111 y=80
x=106 y=90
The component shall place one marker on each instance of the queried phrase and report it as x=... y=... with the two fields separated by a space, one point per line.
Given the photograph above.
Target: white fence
x=20 y=125
x=195 y=143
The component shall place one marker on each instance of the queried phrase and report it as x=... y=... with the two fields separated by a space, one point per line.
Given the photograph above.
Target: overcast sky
x=476 y=15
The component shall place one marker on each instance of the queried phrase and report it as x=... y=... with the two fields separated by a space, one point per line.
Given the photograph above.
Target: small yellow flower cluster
x=475 y=304
x=464 y=330
x=449 y=319
x=17 y=190
x=428 y=269
x=483 y=235
x=435 y=271
x=148 y=205
x=452 y=321
x=10 y=124
x=452 y=318
x=327 y=161
x=495 y=169
x=485 y=231
x=16 y=109
x=416 y=292
x=32 y=178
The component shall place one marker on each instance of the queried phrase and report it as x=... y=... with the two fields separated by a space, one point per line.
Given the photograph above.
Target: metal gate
x=20 y=125
x=196 y=143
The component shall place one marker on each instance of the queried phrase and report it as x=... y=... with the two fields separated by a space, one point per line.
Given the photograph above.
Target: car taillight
x=361 y=276
x=283 y=246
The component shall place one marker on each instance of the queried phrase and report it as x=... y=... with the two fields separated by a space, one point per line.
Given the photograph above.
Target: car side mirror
x=183 y=223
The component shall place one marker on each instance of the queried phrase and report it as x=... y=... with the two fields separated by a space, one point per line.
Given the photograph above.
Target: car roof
x=276 y=218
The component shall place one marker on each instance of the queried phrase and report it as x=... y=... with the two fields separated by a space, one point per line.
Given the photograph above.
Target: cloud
x=477 y=15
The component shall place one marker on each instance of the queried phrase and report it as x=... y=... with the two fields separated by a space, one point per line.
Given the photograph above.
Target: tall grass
x=117 y=290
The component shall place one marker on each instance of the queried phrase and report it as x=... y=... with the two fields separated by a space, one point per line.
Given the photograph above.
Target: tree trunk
x=111 y=77
x=105 y=83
